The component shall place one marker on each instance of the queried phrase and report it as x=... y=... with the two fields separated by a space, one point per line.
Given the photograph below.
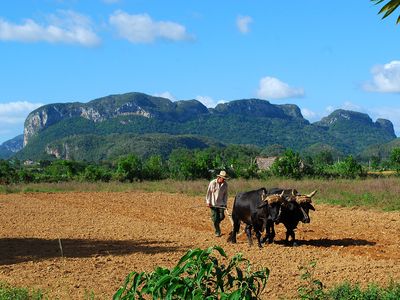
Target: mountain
x=96 y=148
x=381 y=151
x=10 y=147
x=357 y=130
x=111 y=107
x=66 y=129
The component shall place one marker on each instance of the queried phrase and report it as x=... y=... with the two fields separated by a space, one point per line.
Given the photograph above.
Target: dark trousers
x=217 y=215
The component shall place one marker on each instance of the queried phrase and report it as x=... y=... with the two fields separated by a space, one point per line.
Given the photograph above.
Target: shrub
x=348 y=168
x=93 y=173
x=129 y=168
x=311 y=288
x=153 y=168
x=395 y=159
x=289 y=165
x=7 y=172
x=182 y=165
x=198 y=275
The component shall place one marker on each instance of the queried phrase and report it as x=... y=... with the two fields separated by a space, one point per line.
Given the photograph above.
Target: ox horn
x=312 y=194
x=264 y=195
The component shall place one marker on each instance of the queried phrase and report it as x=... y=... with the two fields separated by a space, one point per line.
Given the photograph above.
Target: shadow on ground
x=347 y=242
x=16 y=250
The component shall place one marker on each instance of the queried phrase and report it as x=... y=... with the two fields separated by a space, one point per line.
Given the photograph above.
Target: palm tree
x=388 y=8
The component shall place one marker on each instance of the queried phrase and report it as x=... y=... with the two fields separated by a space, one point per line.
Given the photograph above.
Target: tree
x=203 y=163
x=64 y=169
x=289 y=165
x=325 y=157
x=273 y=150
x=348 y=168
x=94 y=173
x=7 y=172
x=153 y=168
x=388 y=8
x=129 y=168
x=181 y=164
x=375 y=162
x=395 y=159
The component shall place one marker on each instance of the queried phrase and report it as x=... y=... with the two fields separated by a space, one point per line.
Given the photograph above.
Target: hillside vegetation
x=119 y=121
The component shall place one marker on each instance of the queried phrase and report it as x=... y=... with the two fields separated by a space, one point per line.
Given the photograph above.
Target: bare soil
x=104 y=236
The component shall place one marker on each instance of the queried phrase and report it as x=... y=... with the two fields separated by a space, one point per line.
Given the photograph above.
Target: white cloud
x=66 y=27
x=12 y=117
x=351 y=106
x=273 y=88
x=389 y=113
x=329 y=109
x=143 y=29
x=208 y=101
x=243 y=23
x=13 y=113
x=386 y=78
x=309 y=114
x=347 y=105
x=167 y=95
x=18 y=108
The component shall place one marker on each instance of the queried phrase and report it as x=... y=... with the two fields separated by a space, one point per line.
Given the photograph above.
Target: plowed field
x=104 y=236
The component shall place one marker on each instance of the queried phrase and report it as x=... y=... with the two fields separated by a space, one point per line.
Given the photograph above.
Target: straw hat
x=222 y=174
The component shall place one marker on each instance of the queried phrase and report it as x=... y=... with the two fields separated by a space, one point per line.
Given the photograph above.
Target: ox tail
x=230 y=237
x=235 y=229
x=232 y=234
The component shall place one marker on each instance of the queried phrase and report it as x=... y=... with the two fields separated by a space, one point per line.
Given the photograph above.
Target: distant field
x=379 y=193
x=384 y=173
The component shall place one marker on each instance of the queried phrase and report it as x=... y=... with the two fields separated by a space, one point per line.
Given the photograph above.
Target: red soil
x=104 y=236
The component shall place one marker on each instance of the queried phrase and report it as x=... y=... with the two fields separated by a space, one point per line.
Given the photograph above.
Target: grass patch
x=8 y=292
x=372 y=292
x=313 y=289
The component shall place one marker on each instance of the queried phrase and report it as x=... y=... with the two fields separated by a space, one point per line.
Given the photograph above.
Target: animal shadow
x=345 y=242
x=16 y=250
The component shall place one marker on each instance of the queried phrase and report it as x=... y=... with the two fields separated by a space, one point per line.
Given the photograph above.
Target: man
x=216 y=199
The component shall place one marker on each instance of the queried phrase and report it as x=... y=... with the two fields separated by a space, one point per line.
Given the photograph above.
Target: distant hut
x=265 y=163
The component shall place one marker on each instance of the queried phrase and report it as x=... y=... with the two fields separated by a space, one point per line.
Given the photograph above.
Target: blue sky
x=319 y=55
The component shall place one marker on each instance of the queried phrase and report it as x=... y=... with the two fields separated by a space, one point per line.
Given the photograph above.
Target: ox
x=254 y=208
x=294 y=209
x=270 y=230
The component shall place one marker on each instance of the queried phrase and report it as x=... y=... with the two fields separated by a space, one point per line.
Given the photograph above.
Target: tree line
x=185 y=164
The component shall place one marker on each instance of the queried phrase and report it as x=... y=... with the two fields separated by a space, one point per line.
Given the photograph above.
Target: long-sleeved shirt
x=217 y=194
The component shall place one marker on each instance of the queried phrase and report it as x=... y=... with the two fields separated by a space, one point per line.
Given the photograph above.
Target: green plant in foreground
x=11 y=293
x=311 y=288
x=198 y=275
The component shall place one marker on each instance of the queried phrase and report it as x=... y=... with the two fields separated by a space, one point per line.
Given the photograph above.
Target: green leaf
x=118 y=294
x=172 y=290
x=236 y=295
x=388 y=8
